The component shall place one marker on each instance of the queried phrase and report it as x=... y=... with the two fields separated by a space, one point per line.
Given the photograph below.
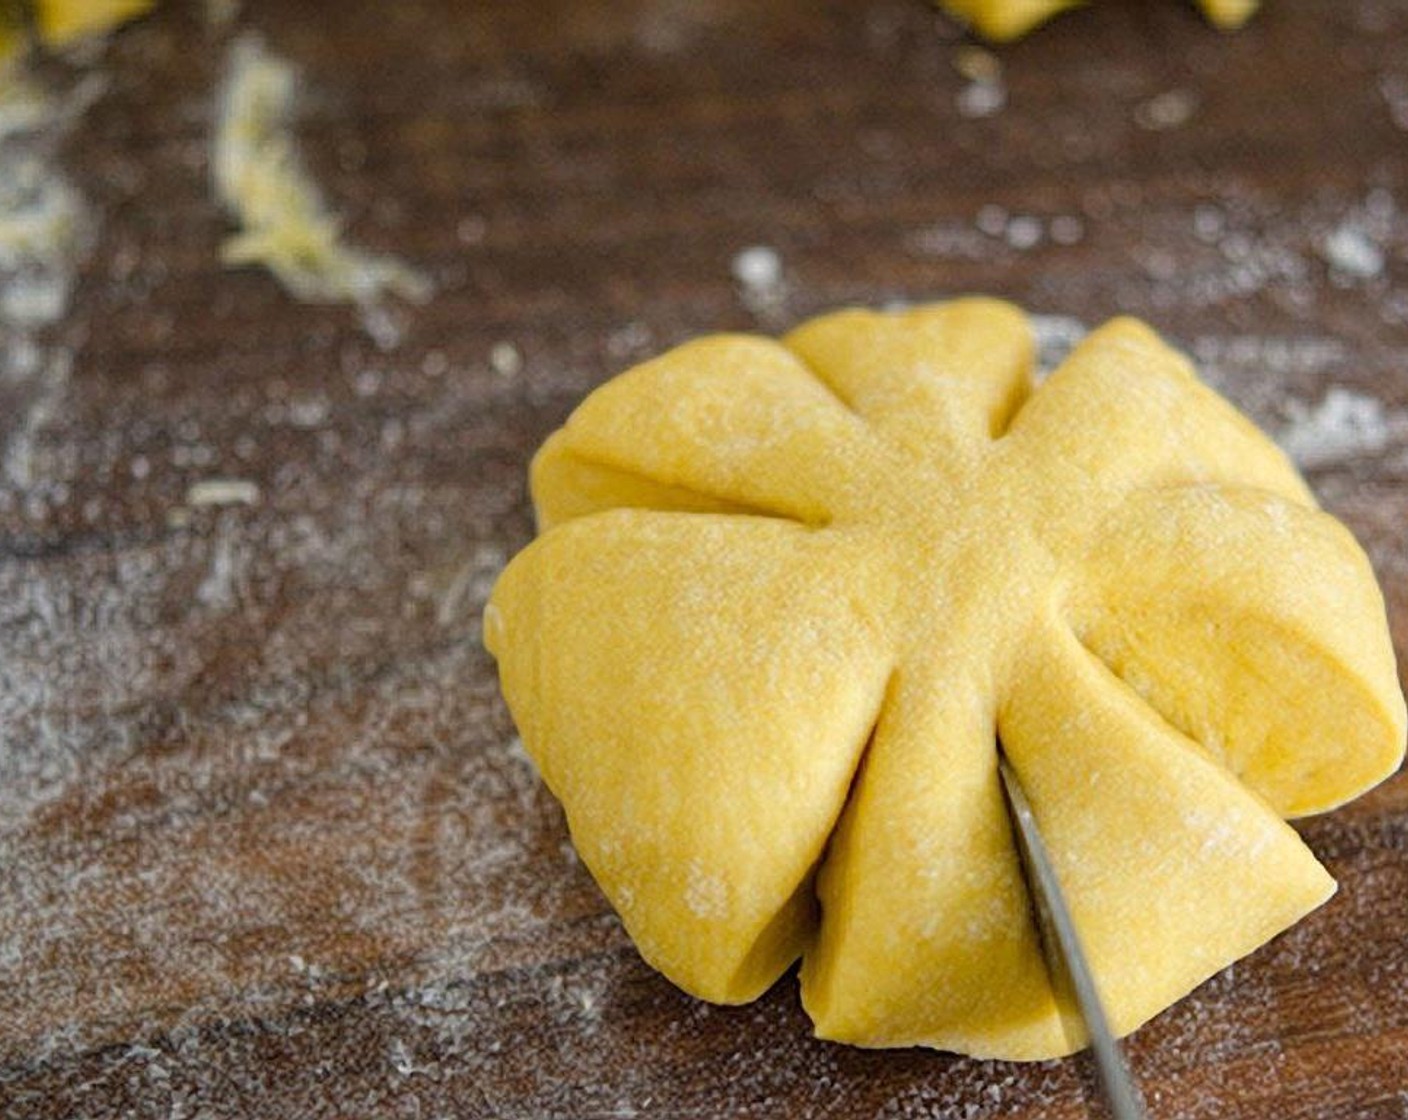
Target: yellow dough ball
x=1009 y=19
x=789 y=598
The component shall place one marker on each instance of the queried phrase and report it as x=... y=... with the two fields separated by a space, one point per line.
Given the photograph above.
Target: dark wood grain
x=267 y=847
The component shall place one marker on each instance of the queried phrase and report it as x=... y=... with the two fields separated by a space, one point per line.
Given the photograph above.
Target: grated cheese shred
x=283 y=222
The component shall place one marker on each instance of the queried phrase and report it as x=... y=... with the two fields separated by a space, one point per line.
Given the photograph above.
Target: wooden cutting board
x=268 y=846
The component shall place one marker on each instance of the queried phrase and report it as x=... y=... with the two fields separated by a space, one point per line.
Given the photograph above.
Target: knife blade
x=1064 y=952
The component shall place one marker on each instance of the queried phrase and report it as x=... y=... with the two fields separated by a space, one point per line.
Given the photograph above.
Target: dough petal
x=948 y=374
x=61 y=22
x=1125 y=408
x=1229 y=14
x=1001 y=20
x=728 y=422
x=697 y=691
x=1255 y=626
x=1172 y=868
x=926 y=934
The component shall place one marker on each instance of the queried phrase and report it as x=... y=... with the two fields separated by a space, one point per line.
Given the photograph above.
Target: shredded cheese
x=284 y=224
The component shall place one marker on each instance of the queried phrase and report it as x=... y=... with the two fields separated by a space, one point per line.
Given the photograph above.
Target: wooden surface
x=267 y=845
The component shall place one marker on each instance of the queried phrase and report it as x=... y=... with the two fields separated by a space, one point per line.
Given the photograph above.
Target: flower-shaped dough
x=789 y=598
x=1010 y=19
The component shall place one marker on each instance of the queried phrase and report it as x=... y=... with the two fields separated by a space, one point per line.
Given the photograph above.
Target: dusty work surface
x=268 y=845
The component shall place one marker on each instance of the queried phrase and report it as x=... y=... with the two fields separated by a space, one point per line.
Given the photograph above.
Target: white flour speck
x=1344 y=425
x=1168 y=110
x=1349 y=250
x=505 y=359
x=1023 y=232
x=757 y=267
x=758 y=273
x=982 y=99
x=992 y=220
x=1066 y=229
x=985 y=94
x=1394 y=90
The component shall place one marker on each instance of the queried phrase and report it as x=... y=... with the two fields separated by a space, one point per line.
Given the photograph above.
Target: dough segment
x=1157 y=424
x=1203 y=871
x=949 y=372
x=701 y=773
x=926 y=935
x=755 y=554
x=1233 y=648
x=726 y=422
x=1010 y=19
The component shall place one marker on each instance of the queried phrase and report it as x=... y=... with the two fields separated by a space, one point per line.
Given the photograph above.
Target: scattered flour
x=1023 y=232
x=757 y=270
x=218 y=589
x=505 y=359
x=46 y=232
x=950 y=240
x=1394 y=90
x=1168 y=110
x=758 y=267
x=992 y=220
x=45 y=227
x=982 y=99
x=1350 y=251
x=46 y=389
x=1345 y=425
x=985 y=93
x=471 y=582
x=631 y=340
x=993 y=233
x=1066 y=229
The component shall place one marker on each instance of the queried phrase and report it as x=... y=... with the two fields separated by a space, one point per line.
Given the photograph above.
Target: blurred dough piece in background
x=60 y=23
x=1010 y=19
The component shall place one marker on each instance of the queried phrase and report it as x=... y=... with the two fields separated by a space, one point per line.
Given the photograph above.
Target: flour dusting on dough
x=706 y=894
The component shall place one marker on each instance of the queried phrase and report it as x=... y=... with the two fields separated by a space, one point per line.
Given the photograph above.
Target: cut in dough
x=788 y=597
x=1001 y=20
